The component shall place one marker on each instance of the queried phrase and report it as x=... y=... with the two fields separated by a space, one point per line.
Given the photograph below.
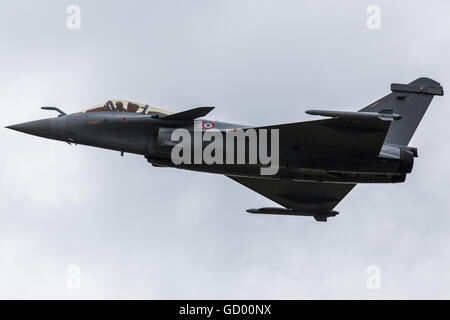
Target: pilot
x=119 y=106
x=132 y=107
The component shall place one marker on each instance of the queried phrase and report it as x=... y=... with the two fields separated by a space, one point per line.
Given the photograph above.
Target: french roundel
x=207 y=125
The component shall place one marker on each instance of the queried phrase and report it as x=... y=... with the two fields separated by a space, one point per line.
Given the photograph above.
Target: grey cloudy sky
x=137 y=231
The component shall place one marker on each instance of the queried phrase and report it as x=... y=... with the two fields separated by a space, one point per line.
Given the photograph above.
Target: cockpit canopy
x=127 y=106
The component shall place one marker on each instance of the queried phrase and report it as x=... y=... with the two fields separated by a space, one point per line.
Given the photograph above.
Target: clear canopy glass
x=127 y=106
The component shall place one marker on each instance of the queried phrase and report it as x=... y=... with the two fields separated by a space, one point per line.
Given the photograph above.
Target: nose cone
x=41 y=128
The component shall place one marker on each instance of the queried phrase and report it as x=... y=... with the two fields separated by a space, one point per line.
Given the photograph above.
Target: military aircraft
x=318 y=162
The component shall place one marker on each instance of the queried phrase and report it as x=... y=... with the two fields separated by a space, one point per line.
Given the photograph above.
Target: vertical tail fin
x=410 y=101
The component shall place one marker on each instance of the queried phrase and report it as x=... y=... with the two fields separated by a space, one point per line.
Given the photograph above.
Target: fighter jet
x=311 y=165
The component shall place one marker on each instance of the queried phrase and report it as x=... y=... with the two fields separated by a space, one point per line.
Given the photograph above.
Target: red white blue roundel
x=207 y=125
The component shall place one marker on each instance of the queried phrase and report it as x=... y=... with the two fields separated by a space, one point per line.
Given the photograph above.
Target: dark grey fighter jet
x=319 y=162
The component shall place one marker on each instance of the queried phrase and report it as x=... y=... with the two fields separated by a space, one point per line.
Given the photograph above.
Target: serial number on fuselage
x=129 y=138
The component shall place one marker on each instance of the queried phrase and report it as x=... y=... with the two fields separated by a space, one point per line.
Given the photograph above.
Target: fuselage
x=150 y=136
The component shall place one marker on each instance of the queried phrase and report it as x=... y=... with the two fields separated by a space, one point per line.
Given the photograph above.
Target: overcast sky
x=135 y=231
